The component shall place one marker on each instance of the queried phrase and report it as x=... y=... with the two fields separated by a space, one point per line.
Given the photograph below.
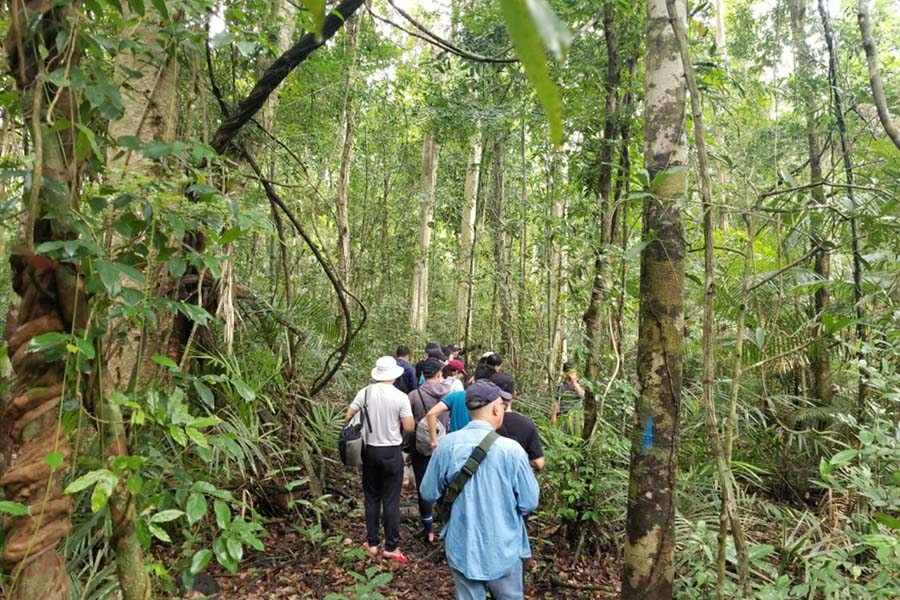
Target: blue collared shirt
x=486 y=534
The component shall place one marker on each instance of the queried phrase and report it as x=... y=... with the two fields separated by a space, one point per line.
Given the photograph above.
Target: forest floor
x=300 y=563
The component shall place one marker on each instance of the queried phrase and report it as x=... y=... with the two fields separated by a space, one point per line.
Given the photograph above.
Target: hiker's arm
x=527 y=492
x=578 y=389
x=537 y=463
x=350 y=412
x=407 y=423
x=436 y=410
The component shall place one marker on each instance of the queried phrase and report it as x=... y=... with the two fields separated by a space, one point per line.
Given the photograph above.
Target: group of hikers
x=467 y=448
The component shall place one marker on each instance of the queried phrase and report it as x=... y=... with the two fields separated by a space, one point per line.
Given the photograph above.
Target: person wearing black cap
x=485 y=538
x=423 y=399
x=517 y=426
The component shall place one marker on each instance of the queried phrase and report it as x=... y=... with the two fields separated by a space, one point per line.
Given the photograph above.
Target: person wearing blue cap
x=485 y=538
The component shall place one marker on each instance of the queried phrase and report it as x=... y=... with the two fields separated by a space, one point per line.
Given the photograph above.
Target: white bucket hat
x=386 y=369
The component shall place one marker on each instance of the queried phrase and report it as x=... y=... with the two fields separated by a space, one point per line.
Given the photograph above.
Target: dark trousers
x=382 y=476
x=420 y=465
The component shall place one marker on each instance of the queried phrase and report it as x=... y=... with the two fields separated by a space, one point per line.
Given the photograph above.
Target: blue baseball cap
x=483 y=392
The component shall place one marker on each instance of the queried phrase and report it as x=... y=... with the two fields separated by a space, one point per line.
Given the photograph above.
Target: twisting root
x=52 y=300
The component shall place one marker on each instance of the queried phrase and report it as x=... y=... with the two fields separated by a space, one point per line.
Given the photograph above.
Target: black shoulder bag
x=444 y=504
x=351 y=442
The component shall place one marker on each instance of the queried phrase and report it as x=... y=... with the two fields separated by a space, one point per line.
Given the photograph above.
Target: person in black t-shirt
x=517 y=426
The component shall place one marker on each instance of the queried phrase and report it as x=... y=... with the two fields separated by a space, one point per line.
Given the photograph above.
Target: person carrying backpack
x=387 y=411
x=422 y=400
x=485 y=537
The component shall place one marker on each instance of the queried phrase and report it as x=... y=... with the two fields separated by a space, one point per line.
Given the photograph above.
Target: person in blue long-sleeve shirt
x=485 y=538
x=406 y=382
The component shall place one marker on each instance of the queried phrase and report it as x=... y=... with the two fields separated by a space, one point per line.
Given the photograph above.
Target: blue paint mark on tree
x=647 y=438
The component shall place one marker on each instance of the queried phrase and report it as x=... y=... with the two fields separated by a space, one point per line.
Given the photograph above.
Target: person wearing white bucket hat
x=388 y=412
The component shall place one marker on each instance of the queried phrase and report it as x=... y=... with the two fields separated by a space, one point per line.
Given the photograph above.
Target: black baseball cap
x=504 y=381
x=483 y=392
x=430 y=367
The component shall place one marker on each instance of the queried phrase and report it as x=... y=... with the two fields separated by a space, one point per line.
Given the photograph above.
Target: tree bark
x=467 y=241
x=865 y=29
x=820 y=356
x=729 y=504
x=648 y=566
x=502 y=255
x=596 y=315
x=838 y=104
x=52 y=299
x=419 y=311
x=343 y=191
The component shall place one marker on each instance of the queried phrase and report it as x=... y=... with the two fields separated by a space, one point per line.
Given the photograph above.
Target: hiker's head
x=568 y=368
x=402 y=352
x=505 y=382
x=431 y=369
x=386 y=369
x=455 y=368
x=493 y=360
x=452 y=351
x=485 y=402
x=436 y=354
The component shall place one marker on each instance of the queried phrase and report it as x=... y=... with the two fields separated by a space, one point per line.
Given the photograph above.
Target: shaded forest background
x=243 y=204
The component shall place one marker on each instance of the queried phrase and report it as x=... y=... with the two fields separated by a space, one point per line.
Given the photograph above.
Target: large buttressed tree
x=648 y=570
x=51 y=301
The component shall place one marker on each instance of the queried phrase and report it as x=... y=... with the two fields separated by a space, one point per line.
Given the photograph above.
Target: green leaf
x=205 y=393
x=223 y=514
x=196 y=508
x=553 y=32
x=102 y=491
x=836 y=323
x=86 y=481
x=229 y=235
x=164 y=361
x=158 y=532
x=54 y=459
x=164 y=516
x=525 y=33
x=137 y=6
x=134 y=483
x=17 y=509
x=235 y=549
x=196 y=437
x=109 y=276
x=888 y=521
x=222 y=555
x=160 y=6
x=200 y=560
x=316 y=9
x=244 y=390
x=844 y=456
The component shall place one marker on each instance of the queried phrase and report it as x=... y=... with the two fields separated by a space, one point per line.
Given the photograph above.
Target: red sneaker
x=373 y=550
x=395 y=555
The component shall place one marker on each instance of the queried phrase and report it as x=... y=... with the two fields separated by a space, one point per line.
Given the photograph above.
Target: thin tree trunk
x=467 y=240
x=343 y=191
x=419 y=312
x=820 y=356
x=837 y=96
x=865 y=29
x=648 y=566
x=729 y=505
x=501 y=255
x=595 y=317
x=556 y=280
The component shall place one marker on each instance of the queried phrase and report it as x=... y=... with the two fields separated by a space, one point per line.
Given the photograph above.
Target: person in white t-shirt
x=387 y=414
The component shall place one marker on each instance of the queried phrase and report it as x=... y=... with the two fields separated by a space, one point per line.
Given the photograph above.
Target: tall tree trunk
x=596 y=315
x=648 y=567
x=556 y=280
x=837 y=96
x=467 y=241
x=419 y=312
x=343 y=191
x=502 y=255
x=151 y=113
x=819 y=355
x=729 y=504
x=865 y=29
x=51 y=300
